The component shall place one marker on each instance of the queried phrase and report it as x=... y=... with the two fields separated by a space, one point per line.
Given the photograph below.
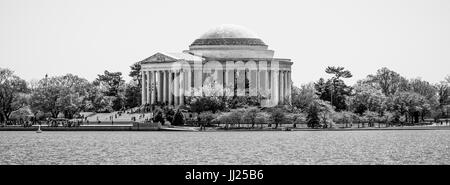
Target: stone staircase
x=122 y=118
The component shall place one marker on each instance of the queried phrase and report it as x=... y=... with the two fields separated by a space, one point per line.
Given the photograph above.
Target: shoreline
x=209 y=129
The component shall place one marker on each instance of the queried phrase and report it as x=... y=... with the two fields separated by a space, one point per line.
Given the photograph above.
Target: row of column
x=163 y=87
x=171 y=87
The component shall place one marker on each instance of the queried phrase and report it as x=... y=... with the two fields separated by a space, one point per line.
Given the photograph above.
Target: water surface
x=265 y=147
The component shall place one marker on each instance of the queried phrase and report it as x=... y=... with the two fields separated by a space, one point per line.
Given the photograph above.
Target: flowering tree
x=367 y=98
x=61 y=94
x=410 y=104
x=214 y=98
x=12 y=89
x=320 y=113
x=303 y=96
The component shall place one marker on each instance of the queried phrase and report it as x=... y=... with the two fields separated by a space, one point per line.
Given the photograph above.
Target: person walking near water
x=200 y=123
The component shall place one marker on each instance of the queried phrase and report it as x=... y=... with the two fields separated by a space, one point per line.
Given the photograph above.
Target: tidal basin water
x=265 y=147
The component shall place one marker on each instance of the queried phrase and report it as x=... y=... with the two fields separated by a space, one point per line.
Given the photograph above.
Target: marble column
x=153 y=87
x=143 y=90
x=274 y=86
x=252 y=82
x=198 y=79
x=286 y=89
x=160 y=86
x=182 y=87
x=188 y=91
x=171 y=87
x=165 y=84
x=266 y=81
x=280 y=87
x=149 y=87
x=229 y=81
x=258 y=83
x=176 y=88
x=240 y=80
x=289 y=87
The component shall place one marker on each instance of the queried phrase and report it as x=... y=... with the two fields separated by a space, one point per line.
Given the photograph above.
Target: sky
x=86 y=37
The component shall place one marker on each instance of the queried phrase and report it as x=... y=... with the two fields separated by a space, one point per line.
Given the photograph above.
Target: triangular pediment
x=159 y=57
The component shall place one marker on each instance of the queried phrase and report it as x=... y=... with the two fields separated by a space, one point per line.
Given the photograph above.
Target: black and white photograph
x=239 y=85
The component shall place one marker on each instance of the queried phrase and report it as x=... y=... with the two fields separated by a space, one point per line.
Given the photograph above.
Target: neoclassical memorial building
x=228 y=59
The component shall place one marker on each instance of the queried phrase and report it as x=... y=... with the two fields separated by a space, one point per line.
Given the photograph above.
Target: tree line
x=385 y=96
x=66 y=95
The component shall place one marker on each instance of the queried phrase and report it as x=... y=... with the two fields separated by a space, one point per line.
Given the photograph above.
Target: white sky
x=86 y=37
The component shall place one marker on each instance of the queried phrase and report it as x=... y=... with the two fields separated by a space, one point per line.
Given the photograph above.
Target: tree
x=206 y=103
x=132 y=95
x=344 y=117
x=389 y=81
x=443 y=93
x=73 y=94
x=112 y=86
x=95 y=100
x=319 y=113
x=111 y=81
x=338 y=72
x=371 y=117
x=207 y=117
x=313 y=119
x=302 y=97
x=135 y=73
x=428 y=91
x=250 y=115
x=367 y=98
x=62 y=94
x=335 y=90
x=298 y=118
x=277 y=116
x=12 y=89
x=178 y=118
x=410 y=104
x=215 y=98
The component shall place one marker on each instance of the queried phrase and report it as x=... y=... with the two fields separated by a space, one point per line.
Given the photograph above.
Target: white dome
x=228 y=31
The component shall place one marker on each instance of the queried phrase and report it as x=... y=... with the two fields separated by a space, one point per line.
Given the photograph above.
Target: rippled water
x=302 y=147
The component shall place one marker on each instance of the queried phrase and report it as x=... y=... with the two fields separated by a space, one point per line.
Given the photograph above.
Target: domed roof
x=228 y=31
x=228 y=34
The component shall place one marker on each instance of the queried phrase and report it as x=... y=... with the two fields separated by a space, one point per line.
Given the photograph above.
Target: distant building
x=229 y=58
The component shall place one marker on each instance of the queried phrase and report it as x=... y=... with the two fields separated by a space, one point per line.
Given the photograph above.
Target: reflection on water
x=304 y=147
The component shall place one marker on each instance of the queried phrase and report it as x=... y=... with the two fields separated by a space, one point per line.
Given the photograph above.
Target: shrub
x=250 y=116
x=263 y=118
x=343 y=117
x=235 y=117
x=222 y=118
x=371 y=117
x=298 y=118
x=158 y=116
x=169 y=113
x=206 y=103
x=313 y=119
x=320 y=113
x=178 y=118
x=387 y=118
x=243 y=101
x=207 y=117
x=230 y=118
x=277 y=116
